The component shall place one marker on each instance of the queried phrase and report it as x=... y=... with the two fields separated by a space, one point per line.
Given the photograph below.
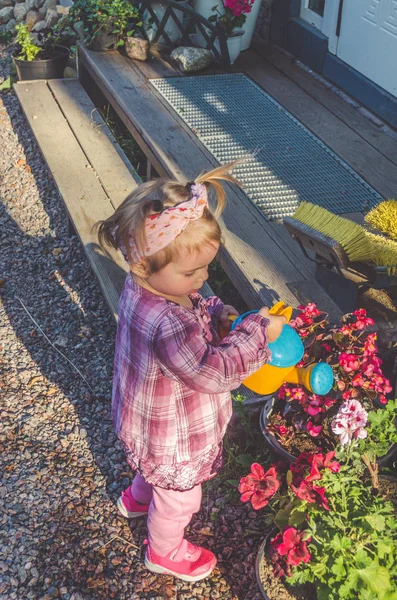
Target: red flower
x=311 y=494
x=322 y=462
x=290 y=545
x=282 y=430
x=258 y=486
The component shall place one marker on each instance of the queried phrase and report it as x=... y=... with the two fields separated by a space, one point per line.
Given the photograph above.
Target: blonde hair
x=151 y=197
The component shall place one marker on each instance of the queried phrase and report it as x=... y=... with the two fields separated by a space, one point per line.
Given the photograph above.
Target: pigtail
x=147 y=199
x=215 y=177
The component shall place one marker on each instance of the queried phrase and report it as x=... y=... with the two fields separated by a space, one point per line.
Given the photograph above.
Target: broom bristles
x=384 y=217
x=350 y=235
x=360 y=245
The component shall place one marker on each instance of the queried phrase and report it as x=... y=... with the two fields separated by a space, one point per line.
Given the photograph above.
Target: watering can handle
x=279 y=309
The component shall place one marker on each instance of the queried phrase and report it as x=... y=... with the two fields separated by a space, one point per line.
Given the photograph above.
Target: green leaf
x=338 y=568
x=363 y=559
x=281 y=518
x=384 y=548
x=245 y=460
x=376 y=577
x=233 y=482
x=377 y=522
x=7 y=84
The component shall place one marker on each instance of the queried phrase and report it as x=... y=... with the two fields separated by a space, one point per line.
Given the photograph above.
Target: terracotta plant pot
x=137 y=48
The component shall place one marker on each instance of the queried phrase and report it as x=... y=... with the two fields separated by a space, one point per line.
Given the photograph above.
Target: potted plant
x=332 y=531
x=105 y=23
x=206 y=8
x=33 y=61
x=232 y=18
x=297 y=420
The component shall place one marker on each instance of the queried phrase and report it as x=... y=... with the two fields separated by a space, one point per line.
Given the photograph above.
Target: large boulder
x=32 y=18
x=11 y=26
x=20 y=12
x=40 y=25
x=6 y=14
x=62 y=10
x=32 y=4
x=51 y=18
x=191 y=59
x=47 y=4
x=4 y=3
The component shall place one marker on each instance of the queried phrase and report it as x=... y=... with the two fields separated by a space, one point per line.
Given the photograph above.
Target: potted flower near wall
x=296 y=420
x=104 y=23
x=44 y=60
x=232 y=19
x=333 y=531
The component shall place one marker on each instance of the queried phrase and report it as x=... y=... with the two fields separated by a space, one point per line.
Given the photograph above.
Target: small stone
x=6 y=14
x=62 y=10
x=32 y=4
x=11 y=25
x=51 y=18
x=70 y=73
x=47 y=4
x=4 y=3
x=191 y=59
x=39 y=26
x=32 y=18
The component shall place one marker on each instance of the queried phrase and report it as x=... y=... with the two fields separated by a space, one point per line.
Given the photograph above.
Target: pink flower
x=290 y=544
x=310 y=309
x=282 y=430
x=350 y=421
x=382 y=399
x=346 y=330
x=370 y=346
x=349 y=362
x=362 y=321
x=258 y=486
x=314 y=430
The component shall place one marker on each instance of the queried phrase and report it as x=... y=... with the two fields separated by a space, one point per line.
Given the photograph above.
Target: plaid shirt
x=172 y=381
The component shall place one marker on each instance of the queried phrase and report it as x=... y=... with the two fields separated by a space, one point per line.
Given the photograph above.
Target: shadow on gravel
x=47 y=270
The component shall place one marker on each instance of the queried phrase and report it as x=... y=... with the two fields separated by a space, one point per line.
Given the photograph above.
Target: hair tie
x=162 y=227
x=157 y=206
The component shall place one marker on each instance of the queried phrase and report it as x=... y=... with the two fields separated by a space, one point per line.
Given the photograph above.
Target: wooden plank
x=102 y=150
x=368 y=130
x=369 y=163
x=254 y=257
x=156 y=66
x=84 y=197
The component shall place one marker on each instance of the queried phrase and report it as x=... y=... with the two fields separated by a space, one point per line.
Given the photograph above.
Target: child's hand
x=224 y=321
x=275 y=326
x=224 y=315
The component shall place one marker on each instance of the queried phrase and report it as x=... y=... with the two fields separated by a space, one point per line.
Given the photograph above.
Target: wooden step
x=89 y=168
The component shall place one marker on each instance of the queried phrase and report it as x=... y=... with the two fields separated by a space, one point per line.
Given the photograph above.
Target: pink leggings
x=169 y=513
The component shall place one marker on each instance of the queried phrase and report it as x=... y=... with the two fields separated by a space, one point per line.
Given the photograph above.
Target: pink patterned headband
x=162 y=228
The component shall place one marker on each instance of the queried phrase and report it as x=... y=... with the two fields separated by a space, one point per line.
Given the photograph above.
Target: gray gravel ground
x=62 y=467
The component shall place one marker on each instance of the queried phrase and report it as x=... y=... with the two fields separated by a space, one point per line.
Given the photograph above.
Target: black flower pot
x=269 y=437
x=275 y=445
x=43 y=68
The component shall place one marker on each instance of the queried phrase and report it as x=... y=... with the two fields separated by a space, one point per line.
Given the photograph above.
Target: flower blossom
x=290 y=545
x=313 y=430
x=350 y=422
x=259 y=486
x=349 y=362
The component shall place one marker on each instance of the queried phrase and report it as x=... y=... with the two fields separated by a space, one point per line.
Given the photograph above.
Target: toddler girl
x=172 y=372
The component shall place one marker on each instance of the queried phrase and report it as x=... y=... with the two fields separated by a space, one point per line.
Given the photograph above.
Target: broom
x=384 y=218
x=359 y=244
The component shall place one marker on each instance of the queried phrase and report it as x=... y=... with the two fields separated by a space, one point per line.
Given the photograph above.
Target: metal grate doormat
x=233 y=116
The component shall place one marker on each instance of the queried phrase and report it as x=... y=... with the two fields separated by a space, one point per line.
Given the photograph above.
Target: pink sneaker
x=129 y=507
x=187 y=562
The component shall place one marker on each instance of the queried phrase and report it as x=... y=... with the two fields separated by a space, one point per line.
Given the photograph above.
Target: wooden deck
x=260 y=257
